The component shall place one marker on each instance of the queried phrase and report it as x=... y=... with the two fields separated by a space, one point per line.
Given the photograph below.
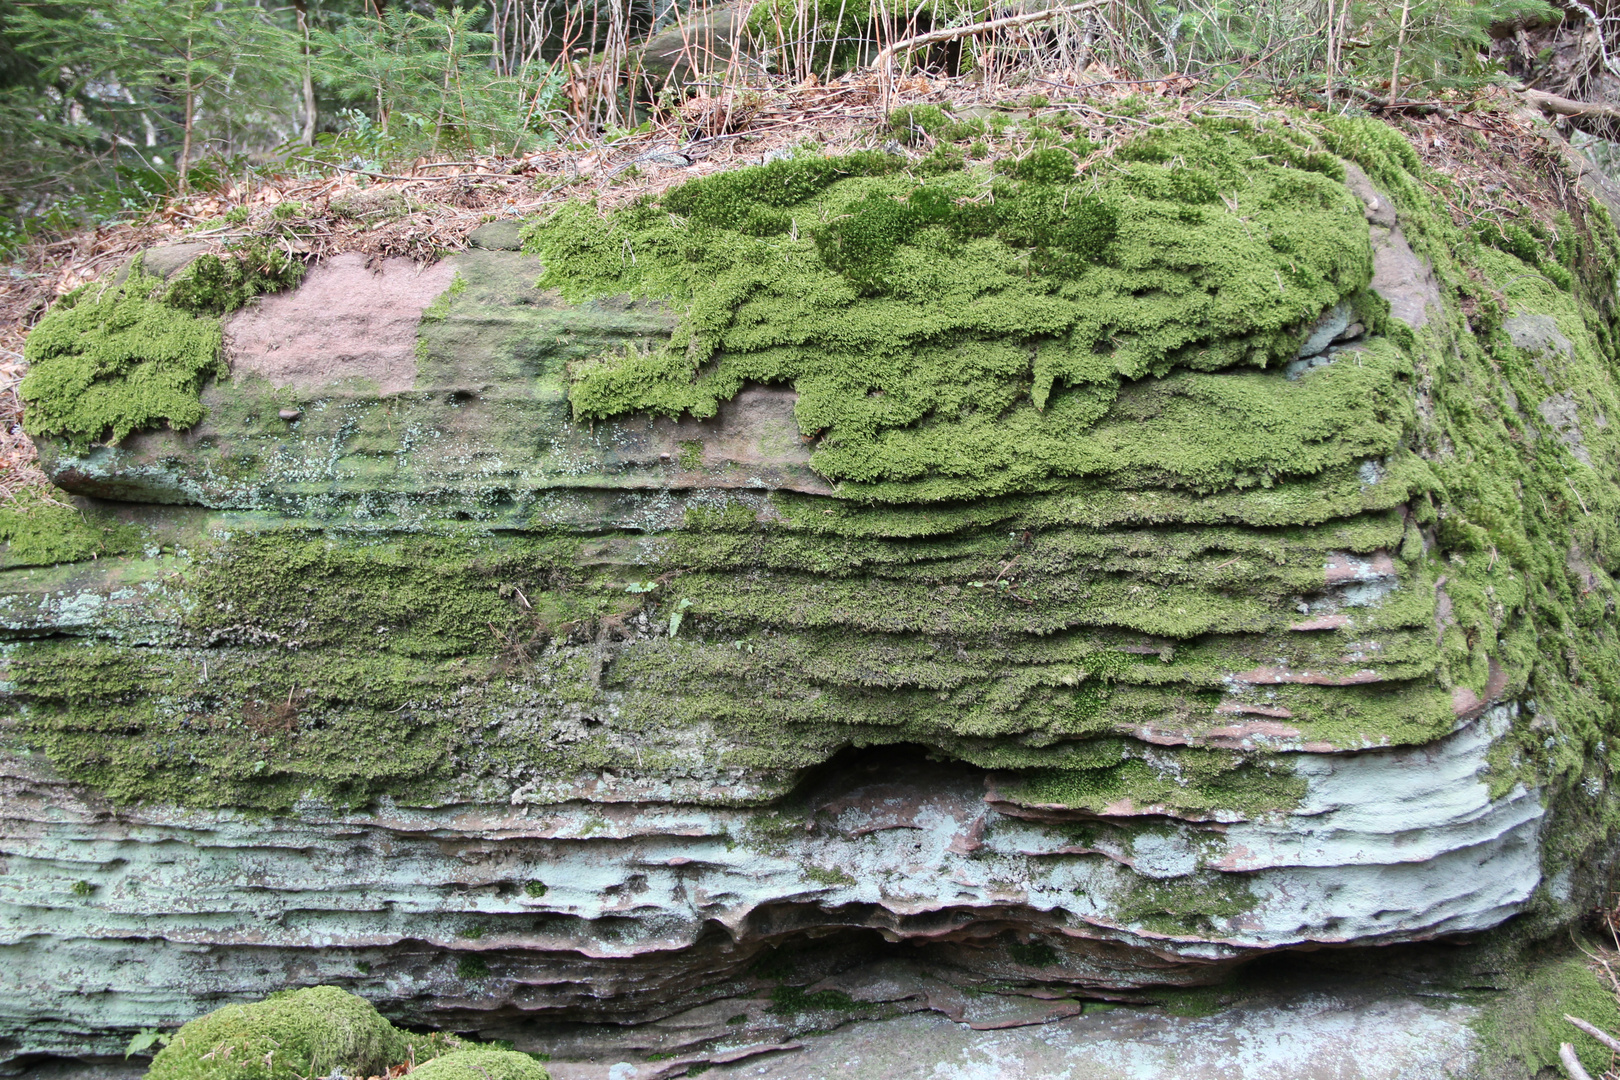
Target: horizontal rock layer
x=585 y=911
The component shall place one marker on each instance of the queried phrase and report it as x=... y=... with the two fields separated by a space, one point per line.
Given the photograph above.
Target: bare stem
x=1400 y=43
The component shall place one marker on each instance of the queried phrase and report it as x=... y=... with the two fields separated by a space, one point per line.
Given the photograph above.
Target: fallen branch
x=1566 y=1054
x=1384 y=104
x=1597 y=1033
x=1554 y=105
x=885 y=58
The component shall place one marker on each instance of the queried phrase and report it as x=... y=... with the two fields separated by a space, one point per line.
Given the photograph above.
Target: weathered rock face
x=412 y=679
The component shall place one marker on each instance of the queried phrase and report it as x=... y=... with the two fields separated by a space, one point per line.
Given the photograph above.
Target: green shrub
x=482 y=1065
x=293 y=1034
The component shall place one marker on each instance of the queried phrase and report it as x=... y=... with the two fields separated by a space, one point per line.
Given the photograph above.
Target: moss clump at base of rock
x=482 y=1065
x=296 y=1034
x=1520 y=1031
x=109 y=360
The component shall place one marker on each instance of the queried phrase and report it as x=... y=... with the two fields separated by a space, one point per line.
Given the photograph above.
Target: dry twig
x=1566 y=1054
x=1597 y=1033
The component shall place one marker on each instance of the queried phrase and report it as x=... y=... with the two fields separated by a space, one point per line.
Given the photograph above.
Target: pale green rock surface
x=1315 y=1036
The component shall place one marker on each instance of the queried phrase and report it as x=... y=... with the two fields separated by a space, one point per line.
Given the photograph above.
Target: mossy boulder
x=482 y=1065
x=1207 y=551
x=294 y=1034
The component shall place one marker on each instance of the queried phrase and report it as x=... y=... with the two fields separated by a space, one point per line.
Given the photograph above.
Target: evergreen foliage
x=105 y=106
x=429 y=80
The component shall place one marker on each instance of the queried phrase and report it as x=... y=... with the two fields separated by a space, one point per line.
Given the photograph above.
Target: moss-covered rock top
x=952 y=331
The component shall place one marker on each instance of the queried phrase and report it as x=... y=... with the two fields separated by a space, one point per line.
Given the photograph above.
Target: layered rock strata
x=540 y=659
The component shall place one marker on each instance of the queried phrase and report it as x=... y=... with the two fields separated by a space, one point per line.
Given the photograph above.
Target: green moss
x=219 y=284
x=111 y=359
x=914 y=124
x=1136 y=537
x=947 y=343
x=831 y=876
x=1199 y=905
x=440 y=307
x=1194 y=1002
x=233 y=726
x=40 y=528
x=482 y=1065
x=1525 y=1024
x=1186 y=782
x=307 y=645
x=293 y=1034
x=793 y=1000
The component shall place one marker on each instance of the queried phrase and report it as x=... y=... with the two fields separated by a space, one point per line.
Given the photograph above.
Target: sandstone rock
x=663 y=729
x=1359 y=1035
x=497 y=236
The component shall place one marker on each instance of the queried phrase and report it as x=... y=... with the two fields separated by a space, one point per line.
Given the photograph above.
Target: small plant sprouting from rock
x=471 y=967
x=536 y=889
x=144 y=1040
x=83 y=888
x=677 y=615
